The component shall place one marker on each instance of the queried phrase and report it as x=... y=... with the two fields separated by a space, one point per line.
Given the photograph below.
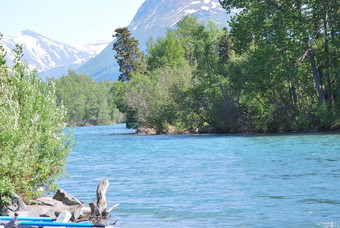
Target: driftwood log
x=99 y=209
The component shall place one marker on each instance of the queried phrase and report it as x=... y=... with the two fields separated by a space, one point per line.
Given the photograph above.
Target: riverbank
x=47 y=206
x=211 y=130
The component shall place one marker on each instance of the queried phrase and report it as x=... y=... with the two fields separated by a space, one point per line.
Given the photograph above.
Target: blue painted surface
x=9 y=218
x=57 y=224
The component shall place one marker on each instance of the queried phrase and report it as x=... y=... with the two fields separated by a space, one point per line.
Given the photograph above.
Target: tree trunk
x=310 y=54
x=292 y=92
x=315 y=75
x=335 y=62
x=327 y=63
x=223 y=94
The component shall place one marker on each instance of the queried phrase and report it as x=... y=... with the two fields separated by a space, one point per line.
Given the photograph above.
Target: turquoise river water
x=209 y=181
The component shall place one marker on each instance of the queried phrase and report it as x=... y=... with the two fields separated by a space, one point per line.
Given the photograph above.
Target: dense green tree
x=186 y=30
x=167 y=51
x=291 y=43
x=33 y=148
x=225 y=50
x=150 y=100
x=204 y=44
x=114 y=115
x=128 y=55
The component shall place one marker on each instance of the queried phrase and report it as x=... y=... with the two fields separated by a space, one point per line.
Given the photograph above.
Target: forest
x=276 y=70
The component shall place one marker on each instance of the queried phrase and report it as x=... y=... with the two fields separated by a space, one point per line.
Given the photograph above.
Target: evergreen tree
x=129 y=57
x=224 y=46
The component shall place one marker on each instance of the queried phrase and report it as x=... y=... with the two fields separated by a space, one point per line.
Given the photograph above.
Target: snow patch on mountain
x=93 y=48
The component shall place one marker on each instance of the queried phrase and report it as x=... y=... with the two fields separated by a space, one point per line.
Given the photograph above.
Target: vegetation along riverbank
x=268 y=74
x=271 y=75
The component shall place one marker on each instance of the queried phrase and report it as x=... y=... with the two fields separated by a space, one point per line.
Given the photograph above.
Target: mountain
x=152 y=19
x=49 y=57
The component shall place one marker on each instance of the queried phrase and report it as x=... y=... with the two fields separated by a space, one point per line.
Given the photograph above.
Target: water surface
x=209 y=180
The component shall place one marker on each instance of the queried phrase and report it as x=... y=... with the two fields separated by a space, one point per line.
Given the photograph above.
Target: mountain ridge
x=48 y=56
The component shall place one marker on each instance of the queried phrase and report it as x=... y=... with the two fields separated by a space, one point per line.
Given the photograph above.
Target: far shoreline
x=151 y=131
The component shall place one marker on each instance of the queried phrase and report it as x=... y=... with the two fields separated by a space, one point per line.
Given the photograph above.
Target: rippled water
x=209 y=180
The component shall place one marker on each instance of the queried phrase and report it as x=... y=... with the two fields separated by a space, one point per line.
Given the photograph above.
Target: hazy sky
x=68 y=21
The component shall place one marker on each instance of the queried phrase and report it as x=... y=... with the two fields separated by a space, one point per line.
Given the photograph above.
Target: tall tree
x=128 y=55
x=225 y=46
x=205 y=50
x=304 y=30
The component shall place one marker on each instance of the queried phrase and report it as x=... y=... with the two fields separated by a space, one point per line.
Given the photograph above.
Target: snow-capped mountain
x=152 y=19
x=49 y=57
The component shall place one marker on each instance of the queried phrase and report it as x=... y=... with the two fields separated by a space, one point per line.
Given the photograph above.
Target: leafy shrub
x=6 y=190
x=33 y=148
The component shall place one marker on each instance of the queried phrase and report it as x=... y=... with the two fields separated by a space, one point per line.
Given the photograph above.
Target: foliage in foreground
x=33 y=148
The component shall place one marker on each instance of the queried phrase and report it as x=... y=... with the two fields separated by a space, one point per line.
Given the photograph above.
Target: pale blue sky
x=68 y=21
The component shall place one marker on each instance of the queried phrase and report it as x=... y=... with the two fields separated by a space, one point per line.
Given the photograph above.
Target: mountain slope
x=152 y=19
x=49 y=57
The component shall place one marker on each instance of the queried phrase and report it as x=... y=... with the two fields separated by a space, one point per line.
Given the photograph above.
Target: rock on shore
x=47 y=206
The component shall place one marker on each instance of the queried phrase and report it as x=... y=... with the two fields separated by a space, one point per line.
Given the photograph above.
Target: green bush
x=326 y=116
x=138 y=96
x=33 y=148
x=6 y=190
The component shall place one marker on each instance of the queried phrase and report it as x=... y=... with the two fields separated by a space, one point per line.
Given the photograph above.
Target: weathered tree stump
x=101 y=196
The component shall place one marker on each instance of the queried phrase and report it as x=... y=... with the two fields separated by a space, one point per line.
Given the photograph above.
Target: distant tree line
x=277 y=70
x=87 y=102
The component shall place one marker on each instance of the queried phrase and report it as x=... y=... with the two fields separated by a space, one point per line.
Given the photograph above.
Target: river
x=290 y=180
